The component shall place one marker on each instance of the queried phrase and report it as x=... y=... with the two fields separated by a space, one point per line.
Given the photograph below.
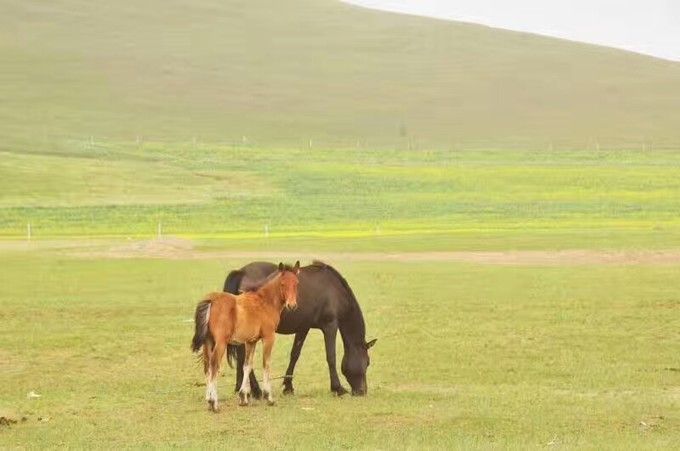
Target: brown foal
x=254 y=315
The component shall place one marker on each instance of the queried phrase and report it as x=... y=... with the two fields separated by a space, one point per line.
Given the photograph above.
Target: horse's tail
x=201 y=321
x=231 y=285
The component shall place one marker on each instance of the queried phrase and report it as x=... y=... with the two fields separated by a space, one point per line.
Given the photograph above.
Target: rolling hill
x=298 y=72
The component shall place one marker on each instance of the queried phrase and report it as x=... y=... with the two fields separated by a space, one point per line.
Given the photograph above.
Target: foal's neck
x=270 y=293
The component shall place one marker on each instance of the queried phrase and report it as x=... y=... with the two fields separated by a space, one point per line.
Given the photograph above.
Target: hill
x=271 y=73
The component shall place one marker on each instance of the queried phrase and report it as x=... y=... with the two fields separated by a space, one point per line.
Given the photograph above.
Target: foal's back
x=239 y=319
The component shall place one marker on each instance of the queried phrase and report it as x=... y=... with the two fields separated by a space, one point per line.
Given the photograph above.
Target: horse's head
x=354 y=366
x=288 y=283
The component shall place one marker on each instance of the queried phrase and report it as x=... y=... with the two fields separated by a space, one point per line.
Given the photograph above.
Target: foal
x=223 y=318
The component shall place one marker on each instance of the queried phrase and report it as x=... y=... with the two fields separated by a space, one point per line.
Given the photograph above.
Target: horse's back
x=322 y=298
x=220 y=298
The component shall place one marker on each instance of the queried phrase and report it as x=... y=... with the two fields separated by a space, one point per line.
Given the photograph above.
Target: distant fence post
x=266 y=230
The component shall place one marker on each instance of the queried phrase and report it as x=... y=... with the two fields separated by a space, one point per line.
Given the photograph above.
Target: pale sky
x=644 y=26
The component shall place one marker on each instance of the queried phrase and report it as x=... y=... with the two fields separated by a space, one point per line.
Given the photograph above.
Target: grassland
x=469 y=356
x=387 y=200
x=338 y=129
x=272 y=74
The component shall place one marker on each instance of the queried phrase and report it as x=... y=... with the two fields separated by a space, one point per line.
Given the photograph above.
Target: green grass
x=280 y=74
x=468 y=356
x=389 y=199
x=341 y=129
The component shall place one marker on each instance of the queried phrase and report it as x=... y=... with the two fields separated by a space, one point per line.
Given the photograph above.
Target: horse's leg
x=254 y=386
x=256 y=392
x=267 y=346
x=244 y=393
x=330 y=331
x=217 y=354
x=294 y=356
x=207 y=359
x=240 y=357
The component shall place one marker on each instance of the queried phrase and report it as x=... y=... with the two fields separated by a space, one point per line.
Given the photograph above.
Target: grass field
x=468 y=356
x=269 y=73
x=384 y=141
x=472 y=199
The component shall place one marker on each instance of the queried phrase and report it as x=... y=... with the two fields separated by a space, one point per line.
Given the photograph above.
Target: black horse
x=325 y=301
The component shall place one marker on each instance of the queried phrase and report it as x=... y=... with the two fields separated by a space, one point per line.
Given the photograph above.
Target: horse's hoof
x=243 y=399
x=340 y=391
x=257 y=394
x=271 y=402
x=288 y=391
x=212 y=406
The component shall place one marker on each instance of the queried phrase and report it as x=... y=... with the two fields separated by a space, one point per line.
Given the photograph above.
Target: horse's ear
x=296 y=268
x=370 y=343
x=281 y=266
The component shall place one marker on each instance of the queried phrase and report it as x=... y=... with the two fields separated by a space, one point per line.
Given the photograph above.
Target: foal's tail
x=201 y=321
x=232 y=285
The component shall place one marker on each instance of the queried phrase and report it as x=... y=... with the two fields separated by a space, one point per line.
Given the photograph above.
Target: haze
x=650 y=27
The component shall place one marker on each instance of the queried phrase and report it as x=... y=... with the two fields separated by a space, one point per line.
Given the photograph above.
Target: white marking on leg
x=214 y=394
x=267 y=381
x=213 y=390
x=207 y=386
x=245 y=385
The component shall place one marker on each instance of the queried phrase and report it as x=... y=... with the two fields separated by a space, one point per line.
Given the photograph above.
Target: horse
x=223 y=318
x=325 y=302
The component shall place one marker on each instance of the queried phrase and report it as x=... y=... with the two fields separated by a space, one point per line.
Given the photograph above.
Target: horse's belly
x=245 y=335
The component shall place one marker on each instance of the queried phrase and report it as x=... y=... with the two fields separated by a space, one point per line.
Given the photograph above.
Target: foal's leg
x=254 y=386
x=267 y=346
x=244 y=393
x=330 y=331
x=216 y=357
x=294 y=355
x=207 y=359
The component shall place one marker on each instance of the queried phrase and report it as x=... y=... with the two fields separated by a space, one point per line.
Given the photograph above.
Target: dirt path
x=184 y=250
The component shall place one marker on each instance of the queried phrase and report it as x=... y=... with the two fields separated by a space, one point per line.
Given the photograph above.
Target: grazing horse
x=326 y=302
x=223 y=318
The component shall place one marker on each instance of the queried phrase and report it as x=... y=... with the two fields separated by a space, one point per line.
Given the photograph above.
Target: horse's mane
x=357 y=319
x=260 y=283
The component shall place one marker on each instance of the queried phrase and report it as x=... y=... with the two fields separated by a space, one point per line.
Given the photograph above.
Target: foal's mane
x=259 y=284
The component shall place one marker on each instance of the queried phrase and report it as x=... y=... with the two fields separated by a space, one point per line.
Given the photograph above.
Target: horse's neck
x=352 y=327
x=270 y=294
